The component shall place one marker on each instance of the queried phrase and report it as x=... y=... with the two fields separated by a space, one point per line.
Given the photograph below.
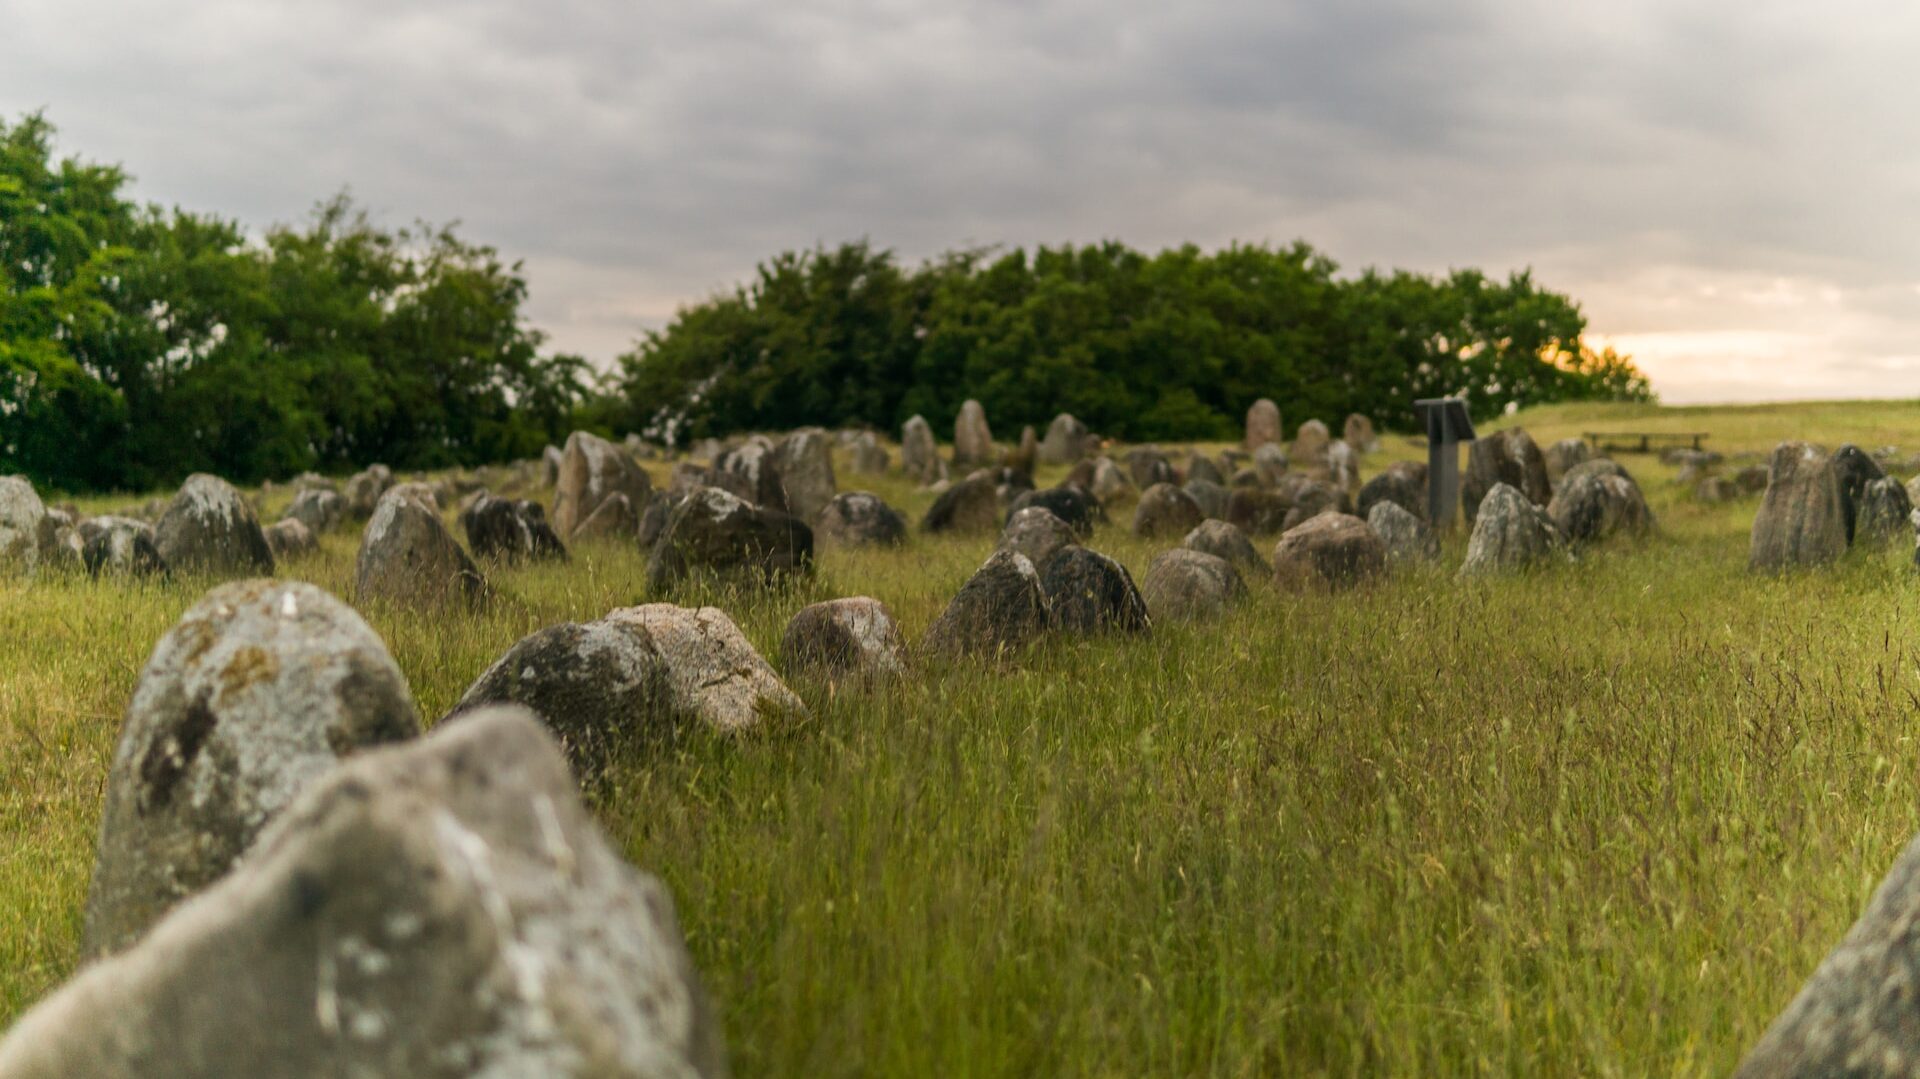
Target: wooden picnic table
x=1642 y=441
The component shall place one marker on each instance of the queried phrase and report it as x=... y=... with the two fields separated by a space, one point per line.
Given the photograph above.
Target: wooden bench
x=1642 y=441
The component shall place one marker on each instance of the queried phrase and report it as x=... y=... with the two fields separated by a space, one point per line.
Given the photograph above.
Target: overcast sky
x=1731 y=189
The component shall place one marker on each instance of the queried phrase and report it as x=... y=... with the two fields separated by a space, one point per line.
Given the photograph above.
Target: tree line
x=139 y=344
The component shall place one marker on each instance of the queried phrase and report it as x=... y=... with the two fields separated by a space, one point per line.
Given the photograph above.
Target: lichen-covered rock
x=972 y=439
x=290 y=538
x=714 y=675
x=756 y=473
x=1263 y=424
x=653 y=519
x=1148 y=465
x=258 y=690
x=1590 y=506
x=868 y=457
x=1310 y=498
x=1000 y=608
x=919 y=458
x=408 y=557
x=614 y=521
x=1884 y=512
x=1166 y=510
x=1566 y=453
x=515 y=530
x=1508 y=457
x=591 y=470
x=1407 y=538
x=1358 y=433
x=1270 y=464
x=1855 y=1016
x=1188 y=585
x=120 y=546
x=1210 y=496
x=1309 y=446
x=1087 y=592
x=804 y=463
x=1511 y=532
x=844 y=637
x=1803 y=518
x=1036 y=532
x=1071 y=503
x=860 y=519
x=364 y=489
x=970 y=506
x=439 y=909
x=1224 y=540
x=1331 y=550
x=1067 y=441
x=711 y=531
x=27 y=534
x=209 y=528
x=1403 y=483
x=319 y=509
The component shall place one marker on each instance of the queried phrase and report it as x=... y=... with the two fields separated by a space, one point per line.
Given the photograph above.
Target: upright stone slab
x=1309 y=447
x=919 y=458
x=804 y=462
x=1087 y=592
x=289 y=539
x=1036 y=532
x=1510 y=533
x=408 y=557
x=258 y=690
x=869 y=458
x=1263 y=424
x=1803 y=518
x=1563 y=455
x=1591 y=505
x=209 y=528
x=441 y=909
x=1359 y=434
x=319 y=509
x=970 y=506
x=1066 y=441
x=591 y=468
x=1000 y=608
x=1188 y=585
x=1403 y=483
x=514 y=530
x=711 y=531
x=1884 y=514
x=1071 y=503
x=1166 y=510
x=1508 y=457
x=26 y=532
x=972 y=439
x=364 y=489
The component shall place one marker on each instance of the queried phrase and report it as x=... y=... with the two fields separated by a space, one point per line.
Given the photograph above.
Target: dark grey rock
x=1188 y=585
x=1071 y=503
x=970 y=506
x=1407 y=538
x=860 y=519
x=1000 y=608
x=711 y=531
x=1403 y=483
x=1803 y=518
x=209 y=528
x=119 y=546
x=1510 y=533
x=1508 y=457
x=319 y=509
x=1224 y=540
x=1036 y=532
x=1166 y=510
x=408 y=557
x=591 y=470
x=854 y=637
x=515 y=530
x=1087 y=592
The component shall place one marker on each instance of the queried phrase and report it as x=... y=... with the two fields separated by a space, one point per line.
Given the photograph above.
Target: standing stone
x=1855 y=1016
x=446 y=907
x=1202 y=467
x=26 y=532
x=1071 y=503
x=1403 y=483
x=711 y=531
x=1309 y=448
x=615 y=521
x=860 y=519
x=1331 y=550
x=803 y=461
x=1563 y=455
x=1270 y=463
x=408 y=557
x=1258 y=511
x=591 y=470
x=515 y=530
x=1310 y=499
x=1109 y=484
x=1066 y=442
x=1510 y=533
x=1592 y=505
x=970 y=506
x=364 y=489
x=209 y=528
x=1407 y=538
x=1166 y=510
x=1508 y=457
x=1343 y=467
x=1087 y=592
x=1855 y=470
x=550 y=460
x=1263 y=424
x=1223 y=540
x=1036 y=532
x=1188 y=585
x=841 y=637
x=1211 y=497
x=290 y=539
x=317 y=508
x=972 y=439
x=120 y=546
x=1001 y=607
x=256 y=692
x=1885 y=512
x=713 y=673
x=1026 y=455
x=919 y=458
x=869 y=458
x=1148 y=465
x=1358 y=433
x=1803 y=518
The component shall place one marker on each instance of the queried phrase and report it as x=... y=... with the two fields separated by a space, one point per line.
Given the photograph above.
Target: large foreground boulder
x=1184 y=584
x=1329 y=550
x=408 y=557
x=1087 y=592
x=854 y=637
x=441 y=909
x=209 y=528
x=1803 y=517
x=1000 y=608
x=1508 y=457
x=591 y=469
x=258 y=690
x=1511 y=532
x=711 y=531
x=860 y=519
x=1855 y=1016
x=119 y=546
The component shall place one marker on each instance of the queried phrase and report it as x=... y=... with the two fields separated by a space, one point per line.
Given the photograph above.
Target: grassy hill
x=1601 y=818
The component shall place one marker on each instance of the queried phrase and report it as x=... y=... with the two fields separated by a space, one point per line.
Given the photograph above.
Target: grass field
x=1602 y=818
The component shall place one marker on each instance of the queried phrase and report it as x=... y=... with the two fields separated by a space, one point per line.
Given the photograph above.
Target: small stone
x=1210 y=496
x=516 y=530
x=970 y=506
x=364 y=489
x=919 y=458
x=120 y=546
x=290 y=538
x=841 y=637
x=27 y=534
x=1087 y=592
x=1166 y=510
x=1069 y=502
x=1407 y=538
x=1403 y=483
x=1066 y=442
x=613 y=521
x=860 y=519
x=1803 y=518
x=1036 y=532
x=1508 y=457
x=1359 y=434
x=711 y=531
x=1510 y=533
x=1189 y=585
x=1224 y=540
x=209 y=528
x=1000 y=608
x=1330 y=550
x=319 y=509
x=408 y=557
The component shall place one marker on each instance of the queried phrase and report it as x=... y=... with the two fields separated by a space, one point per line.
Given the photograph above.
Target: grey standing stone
x=1510 y=533
x=319 y=509
x=1000 y=608
x=408 y=557
x=1109 y=484
x=209 y=528
x=440 y=909
x=1270 y=464
x=804 y=463
x=1884 y=512
x=1359 y=434
x=860 y=519
x=1592 y=505
x=120 y=546
x=1087 y=592
x=1202 y=467
x=1263 y=424
x=27 y=534
x=1023 y=457
x=1211 y=497
x=844 y=637
x=1803 y=518
x=1189 y=585
x=1407 y=538
x=1331 y=550
x=1069 y=502
x=1310 y=498
x=1166 y=510
x=591 y=470
x=970 y=506
x=1566 y=453
x=514 y=530
x=1224 y=540
x=714 y=675
x=1258 y=511
x=1309 y=447
x=615 y=521
x=1508 y=457
x=919 y=457
x=972 y=439
x=1036 y=532
x=257 y=691
x=1066 y=441
x=1148 y=465
x=364 y=489
x=1855 y=470
x=1403 y=483
x=711 y=531
x=869 y=458
x=290 y=538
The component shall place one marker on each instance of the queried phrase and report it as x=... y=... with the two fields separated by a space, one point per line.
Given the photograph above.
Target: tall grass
x=1601 y=818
